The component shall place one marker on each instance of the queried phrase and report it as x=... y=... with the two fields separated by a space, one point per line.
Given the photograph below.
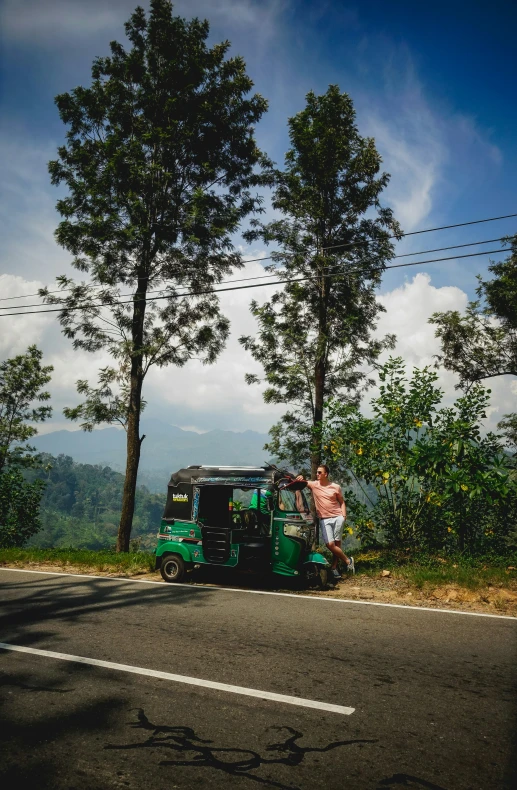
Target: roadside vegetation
x=85 y=561
x=426 y=570
x=440 y=484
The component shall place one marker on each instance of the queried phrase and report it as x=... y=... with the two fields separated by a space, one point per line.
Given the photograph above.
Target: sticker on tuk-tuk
x=180 y=497
x=233 y=553
x=192 y=533
x=196 y=553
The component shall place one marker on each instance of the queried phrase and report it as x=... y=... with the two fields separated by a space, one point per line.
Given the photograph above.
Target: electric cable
x=336 y=246
x=244 y=287
x=265 y=276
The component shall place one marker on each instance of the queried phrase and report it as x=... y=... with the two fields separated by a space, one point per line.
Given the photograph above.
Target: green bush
x=440 y=484
x=19 y=508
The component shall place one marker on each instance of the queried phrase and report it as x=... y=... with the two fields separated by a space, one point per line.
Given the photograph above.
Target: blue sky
x=433 y=83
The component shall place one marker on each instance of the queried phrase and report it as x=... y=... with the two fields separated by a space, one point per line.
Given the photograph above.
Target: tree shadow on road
x=196 y=752
x=40 y=719
x=69 y=600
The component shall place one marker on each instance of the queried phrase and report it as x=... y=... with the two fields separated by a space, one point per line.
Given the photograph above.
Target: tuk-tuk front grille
x=216 y=544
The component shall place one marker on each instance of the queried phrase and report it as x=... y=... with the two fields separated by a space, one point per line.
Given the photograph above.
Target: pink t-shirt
x=328 y=499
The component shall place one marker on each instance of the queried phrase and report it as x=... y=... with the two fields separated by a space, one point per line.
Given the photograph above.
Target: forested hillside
x=81 y=505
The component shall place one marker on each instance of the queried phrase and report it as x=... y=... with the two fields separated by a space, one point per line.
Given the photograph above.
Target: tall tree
x=315 y=335
x=22 y=402
x=160 y=161
x=482 y=343
x=22 y=395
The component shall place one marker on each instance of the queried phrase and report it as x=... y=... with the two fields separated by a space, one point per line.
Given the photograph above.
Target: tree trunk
x=319 y=386
x=319 y=374
x=134 y=441
x=128 y=497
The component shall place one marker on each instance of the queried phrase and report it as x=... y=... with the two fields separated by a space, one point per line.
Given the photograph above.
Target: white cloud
x=414 y=157
x=408 y=309
x=27 y=209
x=219 y=391
x=42 y=22
x=67 y=21
x=17 y=333
x=428 y=148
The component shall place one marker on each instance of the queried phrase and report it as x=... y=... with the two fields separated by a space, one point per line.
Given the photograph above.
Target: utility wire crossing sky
x=335 y=270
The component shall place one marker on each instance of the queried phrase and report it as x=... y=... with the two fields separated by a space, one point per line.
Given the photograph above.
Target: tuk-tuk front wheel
x=172 y=568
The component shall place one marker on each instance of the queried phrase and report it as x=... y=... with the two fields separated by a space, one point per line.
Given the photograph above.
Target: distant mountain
x=165 y=449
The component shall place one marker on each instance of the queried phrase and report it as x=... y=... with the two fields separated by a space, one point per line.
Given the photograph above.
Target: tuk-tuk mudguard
x=313 y=557
x=172 y=547
x=283 y=569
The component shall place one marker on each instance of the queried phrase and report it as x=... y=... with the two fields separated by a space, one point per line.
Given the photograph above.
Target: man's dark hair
x=325 y=467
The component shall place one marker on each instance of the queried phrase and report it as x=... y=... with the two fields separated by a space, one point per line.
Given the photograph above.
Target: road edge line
x=267 y=592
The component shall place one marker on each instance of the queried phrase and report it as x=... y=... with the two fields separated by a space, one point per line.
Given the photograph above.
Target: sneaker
x=336 y=574
x=351 y=565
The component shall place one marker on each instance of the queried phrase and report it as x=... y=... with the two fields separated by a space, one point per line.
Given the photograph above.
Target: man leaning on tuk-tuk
x=331 y=511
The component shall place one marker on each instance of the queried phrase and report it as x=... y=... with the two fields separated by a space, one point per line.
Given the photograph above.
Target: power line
x=244 y=287
x=338 y=246
x=273 y=274
x=443 y=227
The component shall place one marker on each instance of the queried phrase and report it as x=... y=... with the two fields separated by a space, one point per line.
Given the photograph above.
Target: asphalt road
x=434 y=694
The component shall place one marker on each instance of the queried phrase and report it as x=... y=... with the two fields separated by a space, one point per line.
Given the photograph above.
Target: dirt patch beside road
x=489 y=600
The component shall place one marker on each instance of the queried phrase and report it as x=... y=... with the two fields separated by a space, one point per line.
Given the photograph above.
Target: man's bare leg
x=337 y=553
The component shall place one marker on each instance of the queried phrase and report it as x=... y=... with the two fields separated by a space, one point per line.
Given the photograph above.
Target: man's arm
x=342 y=502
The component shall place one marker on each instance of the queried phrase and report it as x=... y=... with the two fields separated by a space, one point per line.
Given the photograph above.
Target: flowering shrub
x=438 y=481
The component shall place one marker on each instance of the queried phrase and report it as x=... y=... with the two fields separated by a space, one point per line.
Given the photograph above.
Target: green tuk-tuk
x=239 y=517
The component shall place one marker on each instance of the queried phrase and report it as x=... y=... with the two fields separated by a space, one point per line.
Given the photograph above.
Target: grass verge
x=101 y=561
x=423 y=571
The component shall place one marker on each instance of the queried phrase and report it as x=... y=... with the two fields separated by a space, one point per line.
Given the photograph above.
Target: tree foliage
x=160 y=162
x=439 y=482
x=22 y=380
x=19 y=508
x=483 y=343
x=332 y=241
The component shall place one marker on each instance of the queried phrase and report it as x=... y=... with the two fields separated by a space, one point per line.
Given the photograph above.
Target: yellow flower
x=449 y=529
x=418 y=423
x=359 y=451
x=385 y=475
x=464 y=487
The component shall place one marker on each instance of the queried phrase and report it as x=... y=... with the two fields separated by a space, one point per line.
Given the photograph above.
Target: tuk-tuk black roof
x=248 y=475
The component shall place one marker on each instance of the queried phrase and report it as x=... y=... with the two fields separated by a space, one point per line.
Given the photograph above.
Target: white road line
x=153 y=673
x=268 y=592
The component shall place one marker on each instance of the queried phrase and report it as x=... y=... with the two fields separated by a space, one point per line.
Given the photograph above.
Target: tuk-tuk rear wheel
x=172 y=568
x=316 y=576
x=322 y=578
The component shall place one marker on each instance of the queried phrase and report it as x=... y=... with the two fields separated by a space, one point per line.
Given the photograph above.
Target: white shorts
x=331 y=529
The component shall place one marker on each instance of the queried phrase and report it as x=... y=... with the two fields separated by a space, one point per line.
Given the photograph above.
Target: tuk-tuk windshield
x=295 y=501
